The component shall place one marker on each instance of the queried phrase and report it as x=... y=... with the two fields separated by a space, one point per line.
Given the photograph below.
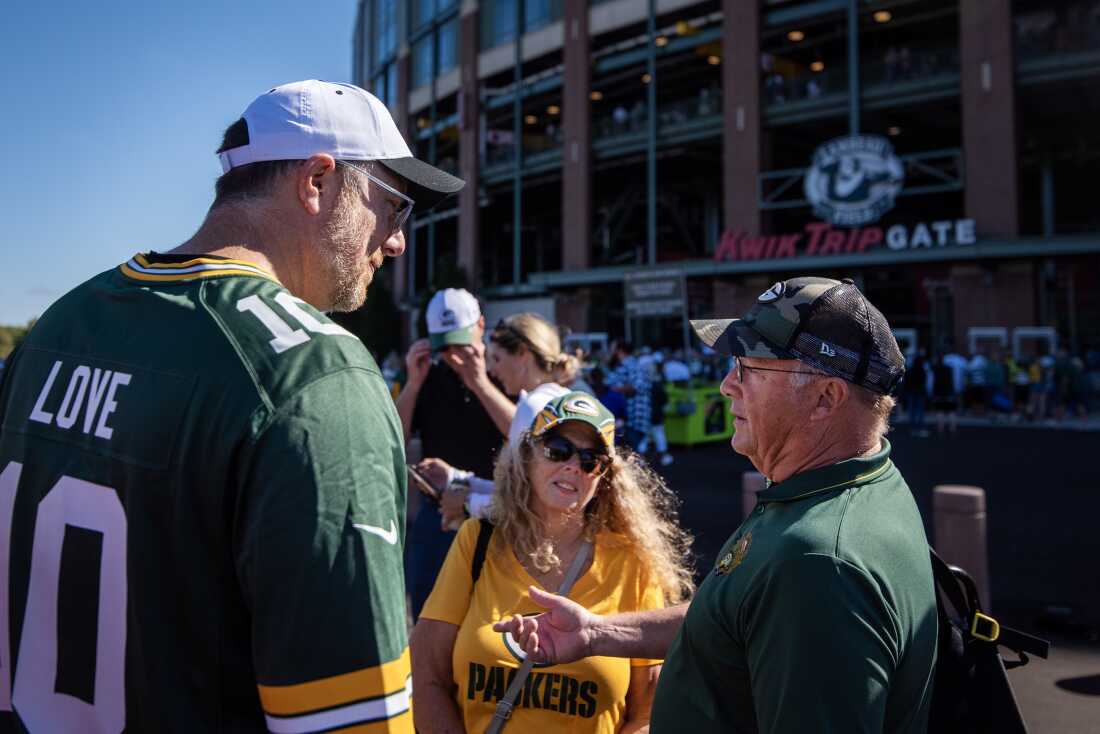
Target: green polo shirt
x=819 y=616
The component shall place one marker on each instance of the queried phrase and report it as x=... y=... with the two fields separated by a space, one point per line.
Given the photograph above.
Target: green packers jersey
x=202 y=512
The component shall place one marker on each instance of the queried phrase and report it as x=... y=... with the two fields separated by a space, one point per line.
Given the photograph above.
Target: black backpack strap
x=963 y=595
x=949 y=584
x=484 y=533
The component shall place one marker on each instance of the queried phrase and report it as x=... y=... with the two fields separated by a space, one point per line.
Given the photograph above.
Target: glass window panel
x=385 y=26
x=421 y=12
x=391 y=88
x=421 y=62
x=498 y=22
x=378 y=85
x=538 y=13
x=448 y=46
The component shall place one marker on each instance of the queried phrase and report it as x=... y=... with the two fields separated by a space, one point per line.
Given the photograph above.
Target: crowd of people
x=1045 y=389
x=570 y=496
x=1064 y=28
x=205 y=485
x=631 y=382
x=791 y=82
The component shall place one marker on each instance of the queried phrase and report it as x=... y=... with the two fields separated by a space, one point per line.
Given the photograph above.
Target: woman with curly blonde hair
x=526 y=358
x=563 y=493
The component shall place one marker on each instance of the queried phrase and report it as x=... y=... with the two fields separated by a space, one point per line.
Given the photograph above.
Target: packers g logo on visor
x=581 y=406
x=772 y=293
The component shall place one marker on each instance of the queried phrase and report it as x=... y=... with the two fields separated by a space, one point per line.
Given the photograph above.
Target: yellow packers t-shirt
x=586 y=696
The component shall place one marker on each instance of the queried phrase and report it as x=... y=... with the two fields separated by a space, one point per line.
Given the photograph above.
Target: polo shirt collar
x=824 y=478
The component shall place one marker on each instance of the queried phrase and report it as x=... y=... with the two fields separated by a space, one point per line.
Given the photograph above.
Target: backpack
x=971 y=691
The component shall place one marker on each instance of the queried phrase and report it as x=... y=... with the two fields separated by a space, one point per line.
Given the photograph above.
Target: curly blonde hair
x=631 y=502
x=541 y=339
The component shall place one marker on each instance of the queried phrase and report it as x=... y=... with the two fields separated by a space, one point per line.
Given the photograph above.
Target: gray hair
x=879 y=406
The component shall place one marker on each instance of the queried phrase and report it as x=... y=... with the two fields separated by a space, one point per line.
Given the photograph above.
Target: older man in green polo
x=820 y=613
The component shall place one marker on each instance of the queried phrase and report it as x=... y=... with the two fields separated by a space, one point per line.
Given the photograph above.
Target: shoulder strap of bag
x=506 y=704
x=968 y=606
x=484 y=534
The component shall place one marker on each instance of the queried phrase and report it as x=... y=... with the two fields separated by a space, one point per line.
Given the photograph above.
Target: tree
x=11 y=336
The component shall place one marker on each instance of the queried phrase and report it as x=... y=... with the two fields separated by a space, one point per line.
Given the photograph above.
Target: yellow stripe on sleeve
x=338 y=690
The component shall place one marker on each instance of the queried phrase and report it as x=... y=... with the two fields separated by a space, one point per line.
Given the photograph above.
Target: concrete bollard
x=751 y=483
x=959 y=530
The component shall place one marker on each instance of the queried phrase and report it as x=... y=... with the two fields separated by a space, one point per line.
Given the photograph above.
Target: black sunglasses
x=560 y=449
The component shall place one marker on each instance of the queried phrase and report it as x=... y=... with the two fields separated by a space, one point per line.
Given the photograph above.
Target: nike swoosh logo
x=390 y=536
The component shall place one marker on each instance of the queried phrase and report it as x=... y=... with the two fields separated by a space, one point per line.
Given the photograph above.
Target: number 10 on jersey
x=80 y=504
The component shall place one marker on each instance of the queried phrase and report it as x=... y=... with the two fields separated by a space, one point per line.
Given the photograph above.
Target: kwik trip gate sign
x=852 y=182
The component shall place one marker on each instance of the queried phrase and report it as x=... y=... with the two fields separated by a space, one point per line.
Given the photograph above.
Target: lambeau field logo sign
x=854 y=180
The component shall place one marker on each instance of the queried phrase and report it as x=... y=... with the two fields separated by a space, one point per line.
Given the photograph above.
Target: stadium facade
x=632 y=161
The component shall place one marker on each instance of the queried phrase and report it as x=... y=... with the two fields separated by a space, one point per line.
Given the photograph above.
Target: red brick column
x=402 y=264
x=741 y=111
x=468 y=153
x=576 y=182
x=988 y=72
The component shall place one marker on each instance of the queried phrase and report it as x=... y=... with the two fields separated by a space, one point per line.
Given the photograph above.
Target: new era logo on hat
x=452 y=315
x=828 y=324
x=301 y=119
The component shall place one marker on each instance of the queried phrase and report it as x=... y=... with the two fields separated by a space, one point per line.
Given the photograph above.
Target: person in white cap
x=459 y=412
x=206 y=493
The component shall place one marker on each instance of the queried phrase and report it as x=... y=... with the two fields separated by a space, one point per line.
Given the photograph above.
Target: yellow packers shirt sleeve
x=319 y=560
x=450 y=597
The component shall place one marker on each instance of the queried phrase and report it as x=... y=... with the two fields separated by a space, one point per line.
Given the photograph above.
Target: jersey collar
x=825 y=478
x=157 y=268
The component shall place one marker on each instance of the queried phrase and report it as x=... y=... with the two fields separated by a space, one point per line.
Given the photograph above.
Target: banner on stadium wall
x=852 y=182
x=653 y=293
x=821 y=238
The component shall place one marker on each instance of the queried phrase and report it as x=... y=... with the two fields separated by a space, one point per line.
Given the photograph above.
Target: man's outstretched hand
x=561 y=634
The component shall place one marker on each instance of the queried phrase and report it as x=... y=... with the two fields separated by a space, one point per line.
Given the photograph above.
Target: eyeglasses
x=560 y=450
x=741 y=367
x=401 y=213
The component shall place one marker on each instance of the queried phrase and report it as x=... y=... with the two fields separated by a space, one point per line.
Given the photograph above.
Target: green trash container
x=697 y=414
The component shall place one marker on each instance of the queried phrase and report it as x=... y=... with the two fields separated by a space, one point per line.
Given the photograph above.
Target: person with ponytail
x=525 y=356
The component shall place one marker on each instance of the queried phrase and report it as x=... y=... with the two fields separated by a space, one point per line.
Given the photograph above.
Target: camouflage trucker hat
x=825 y=323
x=577 y=406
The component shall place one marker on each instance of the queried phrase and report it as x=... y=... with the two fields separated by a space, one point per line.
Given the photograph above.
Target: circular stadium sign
x=853 y=180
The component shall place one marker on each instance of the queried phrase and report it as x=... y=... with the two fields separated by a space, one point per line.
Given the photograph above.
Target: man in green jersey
x=820 y=613
x=202 y=480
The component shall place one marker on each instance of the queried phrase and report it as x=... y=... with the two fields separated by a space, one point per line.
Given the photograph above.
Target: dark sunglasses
x=560 y=450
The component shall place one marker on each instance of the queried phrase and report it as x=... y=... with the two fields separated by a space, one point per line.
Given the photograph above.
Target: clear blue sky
x=113 y=111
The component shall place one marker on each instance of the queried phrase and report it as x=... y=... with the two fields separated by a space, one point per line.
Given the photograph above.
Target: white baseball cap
x=452 y=315
x=297 y=120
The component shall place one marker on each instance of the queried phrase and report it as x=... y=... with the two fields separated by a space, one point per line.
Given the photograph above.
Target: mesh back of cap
x=846 y=336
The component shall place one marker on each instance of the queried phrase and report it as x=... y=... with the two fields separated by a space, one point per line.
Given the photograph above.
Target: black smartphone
x=426 y=488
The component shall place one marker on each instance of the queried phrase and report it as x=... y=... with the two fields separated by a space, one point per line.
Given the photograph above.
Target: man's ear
x=832 y=394
x=316 y=180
